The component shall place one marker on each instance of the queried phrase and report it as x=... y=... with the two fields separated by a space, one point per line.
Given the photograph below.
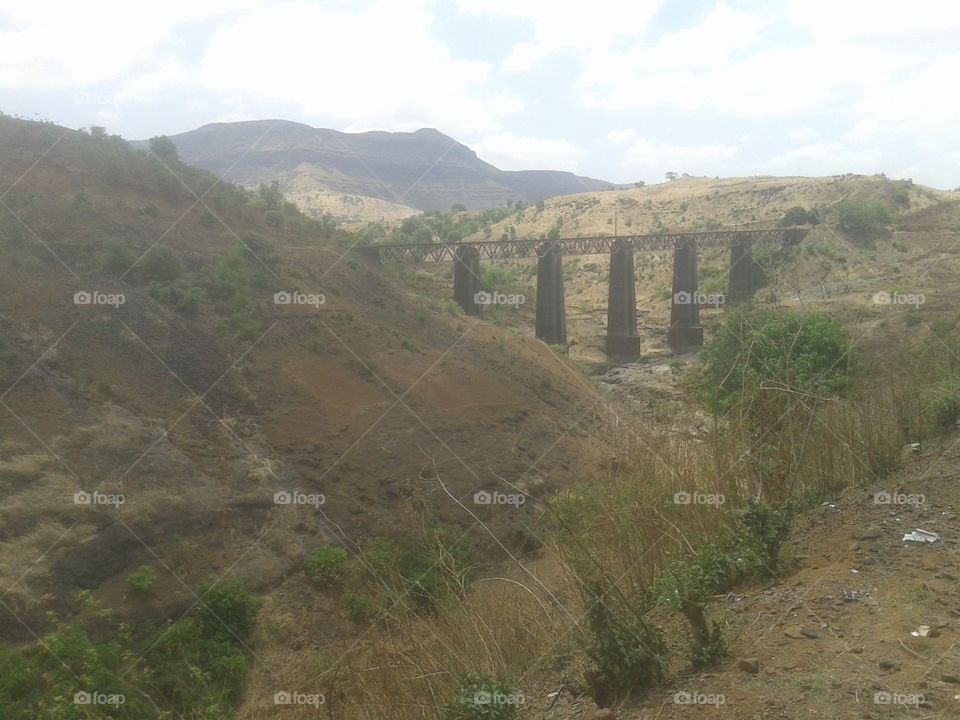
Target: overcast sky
x=621 y=90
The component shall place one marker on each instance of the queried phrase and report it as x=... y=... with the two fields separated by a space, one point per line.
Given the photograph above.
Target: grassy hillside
x=215 y=502
x=198 y=398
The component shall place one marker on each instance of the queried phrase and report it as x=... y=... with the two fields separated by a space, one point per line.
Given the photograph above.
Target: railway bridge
x=622 y=342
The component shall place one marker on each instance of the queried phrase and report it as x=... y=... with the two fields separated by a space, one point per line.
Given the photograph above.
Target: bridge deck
x=597 y=245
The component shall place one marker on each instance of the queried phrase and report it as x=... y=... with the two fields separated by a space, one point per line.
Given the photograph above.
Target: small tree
x=862 y=217
x=271 y=195
x=798 y=215
x=164 y=148
x=671 y=175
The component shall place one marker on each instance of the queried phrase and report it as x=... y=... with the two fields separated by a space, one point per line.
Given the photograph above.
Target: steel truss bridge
x=597 y=245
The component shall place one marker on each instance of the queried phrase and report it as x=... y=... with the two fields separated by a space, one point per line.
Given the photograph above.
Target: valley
x=379 y=497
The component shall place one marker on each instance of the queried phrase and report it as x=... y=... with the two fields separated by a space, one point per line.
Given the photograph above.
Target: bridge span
x=622 y=343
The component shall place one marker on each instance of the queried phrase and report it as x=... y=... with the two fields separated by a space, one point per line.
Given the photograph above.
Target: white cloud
x=374 y=65
x=565 y=26
x=812 y=86
x=399 y=73
x=514 y=152
x=650 y=154
x=917 y=22
x=802 y=134
x=827 y=158
x=619 y=138
x=46 y=45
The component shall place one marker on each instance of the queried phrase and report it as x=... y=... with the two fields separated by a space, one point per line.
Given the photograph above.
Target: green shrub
x=628 y=651
x=160 y=263
x=498 y=278
x=942 y=407
x=141 y=580
x=259 y=249
x=361 y=607
x=749 y=548
x=481 y=697
x=942 y=326
x=808 y=353
x=764 y=529
x=117 y=259
x=191 y=673
x=186 y=670
x=862 y=217
x=227 y=610
x=798 y=215
x=420 y=573
x=184 y=300
x=326 y=564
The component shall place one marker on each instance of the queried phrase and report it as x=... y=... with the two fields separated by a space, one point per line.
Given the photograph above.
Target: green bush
x=497 y=278
x=164 y=148
x=188 y=670
x=481 y=697
x=184 y=300
x=763 y=530
x=808 y=353
x=360 y=607
x=141 y=580
x=117 y=259
x=628 y=651
x=798 y=215
x=862 y=217
x=160 y=263
x=227 y=610
x=326 y=564
x=749 y=548
x=942 y=406
x=420 y=573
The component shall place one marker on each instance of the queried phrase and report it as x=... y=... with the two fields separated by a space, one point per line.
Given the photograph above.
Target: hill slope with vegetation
x=243 y=469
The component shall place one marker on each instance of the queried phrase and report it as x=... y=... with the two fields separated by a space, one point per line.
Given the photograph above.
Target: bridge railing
x=595 y=245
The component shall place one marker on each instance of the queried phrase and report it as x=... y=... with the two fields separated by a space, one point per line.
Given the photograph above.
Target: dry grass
x=512 y=627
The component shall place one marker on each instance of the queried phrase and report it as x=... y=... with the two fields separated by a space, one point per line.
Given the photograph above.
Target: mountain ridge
x=424 y=170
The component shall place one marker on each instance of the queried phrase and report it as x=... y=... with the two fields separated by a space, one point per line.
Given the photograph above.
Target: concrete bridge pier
x=622 y=340
x=466 y=280
x=740 y=286
x=551 y=312
x=685 y=333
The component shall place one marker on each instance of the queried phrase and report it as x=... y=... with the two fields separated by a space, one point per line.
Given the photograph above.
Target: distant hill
x=328 y=171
